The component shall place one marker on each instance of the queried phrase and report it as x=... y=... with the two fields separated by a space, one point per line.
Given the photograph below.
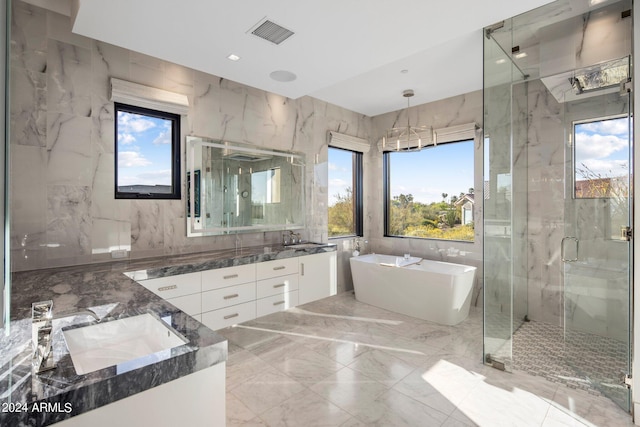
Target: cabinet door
x=228 y=276
x=190 y=304
x=225 y=297
x=218 y=319
x=317 y=277
x=276 y=303
x=276 y=285
x=174 y=286
x=275 y=268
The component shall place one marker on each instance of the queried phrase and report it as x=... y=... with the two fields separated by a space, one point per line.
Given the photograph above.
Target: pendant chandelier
x=406 y=138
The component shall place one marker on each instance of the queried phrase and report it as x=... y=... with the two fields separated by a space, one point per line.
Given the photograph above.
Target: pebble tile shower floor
x=584 y=359
x=339 y=362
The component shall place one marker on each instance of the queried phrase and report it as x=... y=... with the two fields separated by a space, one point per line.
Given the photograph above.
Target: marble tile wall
x=545 y=204
x=62 y=158
x=453 y=111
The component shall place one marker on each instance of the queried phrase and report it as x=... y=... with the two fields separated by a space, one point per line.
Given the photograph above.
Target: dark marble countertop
x=153 y=268
x=112 y=294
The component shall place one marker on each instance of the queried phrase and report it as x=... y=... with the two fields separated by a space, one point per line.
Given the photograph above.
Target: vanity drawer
x=225 y=297
x=174 y=286
x=190 y=304
x=228 y=276
x=279 y=267
x=276 y=303
x=228 y=316
x=277 y=285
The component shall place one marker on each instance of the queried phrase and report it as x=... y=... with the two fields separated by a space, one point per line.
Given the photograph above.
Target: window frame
x=386 y=188
x=176 y=193
x=357 y=193
x=574 y=148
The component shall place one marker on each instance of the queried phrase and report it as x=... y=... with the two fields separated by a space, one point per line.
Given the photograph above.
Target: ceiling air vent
x=272 y=32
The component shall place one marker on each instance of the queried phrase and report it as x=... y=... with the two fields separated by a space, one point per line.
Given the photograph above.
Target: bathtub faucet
x=357 y=243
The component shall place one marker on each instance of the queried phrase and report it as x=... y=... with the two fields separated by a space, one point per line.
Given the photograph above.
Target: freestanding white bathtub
x=431 y=290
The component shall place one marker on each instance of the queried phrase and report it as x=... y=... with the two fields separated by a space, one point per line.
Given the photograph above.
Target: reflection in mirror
x=234 y=188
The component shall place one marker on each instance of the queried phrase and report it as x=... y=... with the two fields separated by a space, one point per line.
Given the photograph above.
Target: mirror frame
x=191 y=214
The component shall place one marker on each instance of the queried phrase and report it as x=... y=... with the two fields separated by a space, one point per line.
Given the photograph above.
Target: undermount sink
x=138 y=339
x=304 y=245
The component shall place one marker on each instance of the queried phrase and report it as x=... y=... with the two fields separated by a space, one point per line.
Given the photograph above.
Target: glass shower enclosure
x=557 y=209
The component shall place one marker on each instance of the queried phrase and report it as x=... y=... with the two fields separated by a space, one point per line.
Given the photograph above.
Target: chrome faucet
x=41 y=328
x=41 y=317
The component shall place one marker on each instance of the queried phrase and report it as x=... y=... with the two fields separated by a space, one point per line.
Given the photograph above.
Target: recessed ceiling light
x=404 y=71
x=283 y=76
x=501 y=61
x=520 y=55
x=233 y=57
x=595 y=2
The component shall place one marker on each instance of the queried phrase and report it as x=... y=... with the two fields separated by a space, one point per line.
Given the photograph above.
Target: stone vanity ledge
x=202 y=261
x=112 y=295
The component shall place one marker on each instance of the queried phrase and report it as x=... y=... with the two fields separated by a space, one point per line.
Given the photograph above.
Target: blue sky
x=447 y=168
x=603 y=147
x=144 y=150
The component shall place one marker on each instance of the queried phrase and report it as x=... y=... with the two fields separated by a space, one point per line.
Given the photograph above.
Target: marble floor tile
x=382 y=367
x=264 y=391
x=342 y=352
x=417 y=387
x=339 y=362
x=237 y=412
x=510 y=381
x=458 y=419
x=348 y=388
x=305 y=409
x=307 y=367
x=353 y=422
x=395 y=409
x=276 y=349
x=495 y=406
x=247 y=337
x=596 y=409
x=243 y=365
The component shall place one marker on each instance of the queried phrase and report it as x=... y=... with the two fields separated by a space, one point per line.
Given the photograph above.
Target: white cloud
x=607 y=127
x=130 y=159
x=163 y=138
x=335 y=167
x=598 y=146
x=133 y=123
x=126 y=138
x=337 y=182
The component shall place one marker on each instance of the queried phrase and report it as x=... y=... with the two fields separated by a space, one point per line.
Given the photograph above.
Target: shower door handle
x=562 y=249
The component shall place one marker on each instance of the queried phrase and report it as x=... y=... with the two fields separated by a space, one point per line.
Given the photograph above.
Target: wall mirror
x=240 y=188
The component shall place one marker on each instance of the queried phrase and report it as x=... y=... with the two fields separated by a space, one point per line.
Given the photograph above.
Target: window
x=345 y=192
x=147 y=158
x=601 y=158
x=429 y=193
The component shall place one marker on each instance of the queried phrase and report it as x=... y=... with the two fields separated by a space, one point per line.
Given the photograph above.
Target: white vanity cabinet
x=317 y=278
x=277 y=286
x=226 y=296
x=181 y=290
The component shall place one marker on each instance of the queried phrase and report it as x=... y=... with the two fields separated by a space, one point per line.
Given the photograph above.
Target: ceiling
x=345 y=52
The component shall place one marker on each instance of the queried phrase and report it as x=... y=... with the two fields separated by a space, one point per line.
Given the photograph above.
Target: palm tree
x=444 y=196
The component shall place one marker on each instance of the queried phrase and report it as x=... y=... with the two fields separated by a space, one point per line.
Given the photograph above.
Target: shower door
x=596 y=249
